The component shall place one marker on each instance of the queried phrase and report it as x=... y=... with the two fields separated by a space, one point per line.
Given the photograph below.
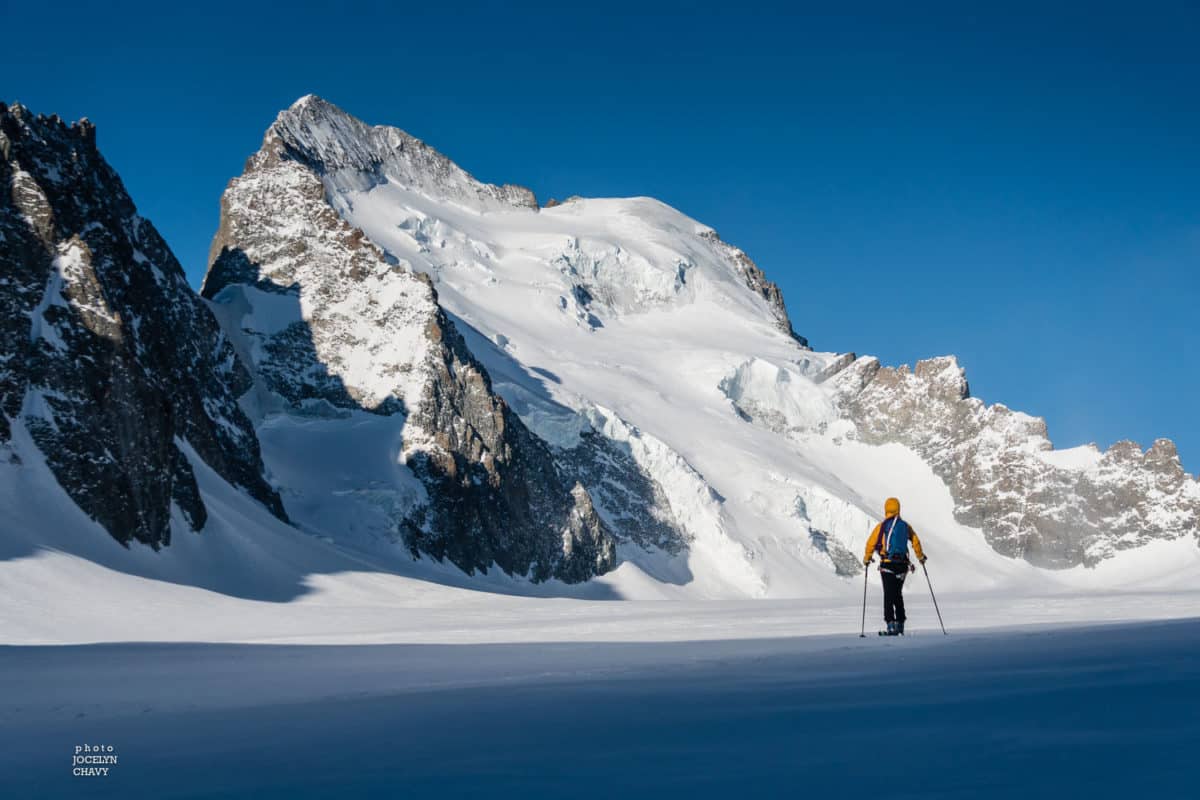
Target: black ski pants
x=893 y=574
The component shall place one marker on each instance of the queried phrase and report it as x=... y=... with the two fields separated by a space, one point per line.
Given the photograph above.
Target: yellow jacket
x=873 y=542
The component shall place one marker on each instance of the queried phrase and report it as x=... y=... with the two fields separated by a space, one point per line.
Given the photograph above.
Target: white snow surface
x=1083 y=457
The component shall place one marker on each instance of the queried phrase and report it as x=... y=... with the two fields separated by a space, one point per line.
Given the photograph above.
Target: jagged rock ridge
x=756 y=279
x=1004 y=474
x=107 y=357
x=340 y=146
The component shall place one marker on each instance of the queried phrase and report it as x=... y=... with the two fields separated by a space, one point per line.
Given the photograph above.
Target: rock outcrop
x=757 y=281
x=107 y=357
x=342 y=148
x=1053 y=508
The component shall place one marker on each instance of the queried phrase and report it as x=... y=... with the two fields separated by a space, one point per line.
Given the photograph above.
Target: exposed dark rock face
x=845 y=563
x=326 y=319
x=756 y=279
x=107 y=357
x=497 y=494
x=1004 y=474
x=627 y=497
x=331 y=142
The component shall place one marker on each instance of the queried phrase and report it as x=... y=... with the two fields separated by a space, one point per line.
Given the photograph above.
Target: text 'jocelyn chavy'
x=93 y=760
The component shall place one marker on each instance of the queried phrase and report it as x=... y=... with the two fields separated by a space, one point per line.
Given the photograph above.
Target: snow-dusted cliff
x=110 y=367
x=1054 y=508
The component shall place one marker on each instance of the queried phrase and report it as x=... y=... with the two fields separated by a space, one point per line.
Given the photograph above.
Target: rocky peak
x=350 y=154
x=943 y=376
x=757 y=282
x=108 y=360
x=1163 y=450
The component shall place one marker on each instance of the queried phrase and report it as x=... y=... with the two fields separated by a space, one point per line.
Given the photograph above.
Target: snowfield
x=973 y=715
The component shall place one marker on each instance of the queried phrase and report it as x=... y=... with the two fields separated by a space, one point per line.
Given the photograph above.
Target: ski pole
x=931 y=594
x=866 y=572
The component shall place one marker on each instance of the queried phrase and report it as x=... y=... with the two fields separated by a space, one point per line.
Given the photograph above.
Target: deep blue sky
x=1018 y=187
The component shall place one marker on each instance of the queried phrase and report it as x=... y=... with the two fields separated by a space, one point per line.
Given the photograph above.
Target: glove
x=867 y=562
x=923 y=559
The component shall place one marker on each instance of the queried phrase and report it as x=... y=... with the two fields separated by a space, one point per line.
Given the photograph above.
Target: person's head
x=891 y=508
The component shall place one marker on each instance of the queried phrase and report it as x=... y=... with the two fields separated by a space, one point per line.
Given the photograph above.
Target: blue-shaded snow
x=1111 y=711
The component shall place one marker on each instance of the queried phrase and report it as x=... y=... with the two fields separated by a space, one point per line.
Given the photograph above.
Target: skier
x=890 y=539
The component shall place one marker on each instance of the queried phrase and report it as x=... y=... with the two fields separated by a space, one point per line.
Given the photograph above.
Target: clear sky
x=1020 y=187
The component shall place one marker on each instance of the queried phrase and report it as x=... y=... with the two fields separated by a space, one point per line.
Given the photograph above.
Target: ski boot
x=891 y=630
x=899 y=628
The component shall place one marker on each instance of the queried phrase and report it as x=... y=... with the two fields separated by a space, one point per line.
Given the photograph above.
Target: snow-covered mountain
x=597 y=389
x=625 y=323
x=335 y=332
